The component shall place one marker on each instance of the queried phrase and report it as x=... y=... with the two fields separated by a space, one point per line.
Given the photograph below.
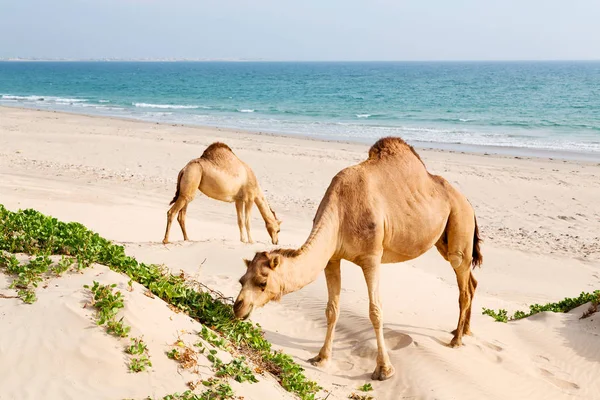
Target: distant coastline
x=233 y=59
x=116 y=59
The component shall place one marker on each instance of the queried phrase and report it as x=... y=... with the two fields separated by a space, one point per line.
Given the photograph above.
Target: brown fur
x=215 y=151
x=221 y=175
x=391 y=146
x=387 y=209
x=477 y=256
x=287 y=252
x=178 y=187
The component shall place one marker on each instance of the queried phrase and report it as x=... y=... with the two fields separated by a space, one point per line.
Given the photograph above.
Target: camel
x=221 y=175
x=387 y=209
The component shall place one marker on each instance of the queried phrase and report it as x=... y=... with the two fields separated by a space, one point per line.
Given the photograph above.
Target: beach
x=538 y=217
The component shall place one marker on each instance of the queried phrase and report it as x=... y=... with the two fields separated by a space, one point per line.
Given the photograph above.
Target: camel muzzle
x=238 y=310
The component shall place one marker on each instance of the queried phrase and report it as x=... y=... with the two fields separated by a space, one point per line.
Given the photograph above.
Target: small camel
x=221 y=175
x=387 y=209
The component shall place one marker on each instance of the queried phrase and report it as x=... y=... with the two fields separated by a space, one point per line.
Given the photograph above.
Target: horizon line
x=249 y=60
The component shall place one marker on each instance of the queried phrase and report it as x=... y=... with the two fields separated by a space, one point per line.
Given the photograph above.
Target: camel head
x=273 y=227
x=262 y=282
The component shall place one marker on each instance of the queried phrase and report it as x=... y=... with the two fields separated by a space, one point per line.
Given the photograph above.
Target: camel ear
x=274 y=261
x=247 y=262
x=279 y=221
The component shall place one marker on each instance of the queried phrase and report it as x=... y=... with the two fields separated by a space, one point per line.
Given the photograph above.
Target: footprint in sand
x=492 y=346
x=561 y=383
x=396 y=340
x=492 y=356
x=365 y=349
x=344 y=366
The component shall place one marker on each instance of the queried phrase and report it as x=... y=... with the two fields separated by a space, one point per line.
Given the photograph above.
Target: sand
x=539 y=218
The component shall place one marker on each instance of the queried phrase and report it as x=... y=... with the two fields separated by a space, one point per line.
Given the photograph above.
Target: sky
x=318 y=30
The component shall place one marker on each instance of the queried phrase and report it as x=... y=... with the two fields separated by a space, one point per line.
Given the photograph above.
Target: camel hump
x=215 y=149
x=391 y=147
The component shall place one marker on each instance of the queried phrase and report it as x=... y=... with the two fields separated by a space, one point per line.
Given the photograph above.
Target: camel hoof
x=165 y=241
x=383 y=372
x=466 y=332
x=455 y=342
x=319 y=361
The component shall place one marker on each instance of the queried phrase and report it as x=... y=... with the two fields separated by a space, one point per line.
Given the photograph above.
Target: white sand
x=540 y=220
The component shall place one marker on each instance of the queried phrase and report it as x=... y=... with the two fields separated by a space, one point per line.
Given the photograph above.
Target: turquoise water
x=537 y=105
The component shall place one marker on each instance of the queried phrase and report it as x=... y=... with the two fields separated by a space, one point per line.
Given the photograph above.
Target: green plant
x=355 y=396
x=27 y=275
x=367 y=387
x=236 y=369
x=216 y=390
x=565 y=305
x=108 y=305
x=500 y=315
x=174 y=354
x=213 y=338
x=62 y=266
x=136 y=347
x=117 y=328
x=31 y=232
x=139 y=364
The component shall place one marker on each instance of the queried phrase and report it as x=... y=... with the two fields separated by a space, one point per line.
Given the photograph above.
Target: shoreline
x=496 y=151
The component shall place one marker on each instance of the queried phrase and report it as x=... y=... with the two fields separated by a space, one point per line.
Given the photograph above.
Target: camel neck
x=263 y=208
x=312 y=258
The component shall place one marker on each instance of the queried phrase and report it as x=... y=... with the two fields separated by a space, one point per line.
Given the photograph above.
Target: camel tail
x=477 y=256
x=178 y=186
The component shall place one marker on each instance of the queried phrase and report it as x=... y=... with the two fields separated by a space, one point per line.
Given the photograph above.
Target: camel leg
x=462 y=268
x=472 y=287
x=384 y=368
x=175 y=208
x=443 y=249
x=181 y=220
x=247 y=215
x=332 y=312
x=239 y=208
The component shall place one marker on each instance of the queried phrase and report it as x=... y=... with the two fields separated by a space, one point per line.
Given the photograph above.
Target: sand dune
x=539 y=219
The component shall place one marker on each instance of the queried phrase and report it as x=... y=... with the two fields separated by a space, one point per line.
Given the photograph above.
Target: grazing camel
x=387 y=209
x=219 y=174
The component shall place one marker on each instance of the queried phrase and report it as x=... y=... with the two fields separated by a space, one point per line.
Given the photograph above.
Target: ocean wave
x=17 y=98
x=363 y=115
x=166 y=106
x=246 y=110
x=104 y=101
x=65 y=100
x=110 y=108
x=42 y=98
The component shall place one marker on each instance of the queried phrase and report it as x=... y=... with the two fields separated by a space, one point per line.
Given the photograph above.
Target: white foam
x=166 y=106
x=42 y=98
x=363 y=115
x=104 y=101
x=246 y=110
x=63 y=100
x=30 y=98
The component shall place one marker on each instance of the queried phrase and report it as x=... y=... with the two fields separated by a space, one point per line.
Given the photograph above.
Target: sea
x=536 y=106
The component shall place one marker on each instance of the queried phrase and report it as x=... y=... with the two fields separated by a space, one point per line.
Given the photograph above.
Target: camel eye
x=263 y=285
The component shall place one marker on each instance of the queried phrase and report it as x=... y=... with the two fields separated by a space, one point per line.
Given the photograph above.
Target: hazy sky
x=302 y=29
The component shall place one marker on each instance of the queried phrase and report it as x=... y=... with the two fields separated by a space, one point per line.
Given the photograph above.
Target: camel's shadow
x=360 y=344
